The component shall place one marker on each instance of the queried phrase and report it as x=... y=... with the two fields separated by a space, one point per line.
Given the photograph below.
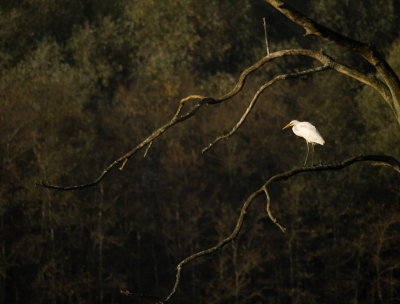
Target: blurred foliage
x=83 y=82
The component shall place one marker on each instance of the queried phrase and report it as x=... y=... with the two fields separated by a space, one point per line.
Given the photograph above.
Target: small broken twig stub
x=123 y=165
x=148 y=147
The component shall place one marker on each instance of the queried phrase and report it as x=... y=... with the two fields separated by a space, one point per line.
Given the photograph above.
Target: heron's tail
x=319 y=141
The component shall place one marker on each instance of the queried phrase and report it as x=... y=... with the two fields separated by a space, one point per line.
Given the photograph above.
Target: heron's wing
x=317 y=131
x=310 y=133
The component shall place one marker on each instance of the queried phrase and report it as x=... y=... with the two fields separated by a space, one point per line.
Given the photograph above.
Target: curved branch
x=370 y=80
x=269 y=211
x=320 y=56
x=329 y=63
x=368 y=51
x=176 y=119
x=218 y=246
x=387 y=160
x=255 y=98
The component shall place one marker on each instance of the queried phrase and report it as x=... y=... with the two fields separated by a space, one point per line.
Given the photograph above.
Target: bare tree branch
x=176 y=119
x=320 y=56
x=390 y=161
x=269 y=211
x=255 y=98
x=368 y=51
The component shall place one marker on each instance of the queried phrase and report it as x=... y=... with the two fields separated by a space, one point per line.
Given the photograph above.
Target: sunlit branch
x=255 y=98
x=390 y=161
x=320 y=56
x=366 y=50
x=123 y=165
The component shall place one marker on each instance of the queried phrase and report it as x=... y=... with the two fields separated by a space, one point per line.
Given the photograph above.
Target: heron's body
x=308 y=132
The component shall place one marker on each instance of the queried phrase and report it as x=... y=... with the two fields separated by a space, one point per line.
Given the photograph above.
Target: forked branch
x=368 y=51
x=320 y=56
x=255 y=98
x=387 y=160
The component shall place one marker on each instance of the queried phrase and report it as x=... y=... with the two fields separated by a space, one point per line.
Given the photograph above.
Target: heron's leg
x=308 y=149
x=312 y=162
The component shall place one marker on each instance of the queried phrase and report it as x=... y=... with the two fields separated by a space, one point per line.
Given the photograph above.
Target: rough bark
x=366 y=50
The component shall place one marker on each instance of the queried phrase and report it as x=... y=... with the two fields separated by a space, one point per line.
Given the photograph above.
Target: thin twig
x=181 y=104
x=269 y=211
x=148 y=147
x=145 y=153
x=123 y=165
x=266 y=37
x=255 y=98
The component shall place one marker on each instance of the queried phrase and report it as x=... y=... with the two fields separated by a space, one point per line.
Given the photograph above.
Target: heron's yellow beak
x=289 y=125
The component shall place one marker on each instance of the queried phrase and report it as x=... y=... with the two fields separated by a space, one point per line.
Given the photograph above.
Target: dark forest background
x=83 y=82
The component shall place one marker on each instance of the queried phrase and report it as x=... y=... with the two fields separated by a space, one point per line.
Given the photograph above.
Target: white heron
x=308 y=132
